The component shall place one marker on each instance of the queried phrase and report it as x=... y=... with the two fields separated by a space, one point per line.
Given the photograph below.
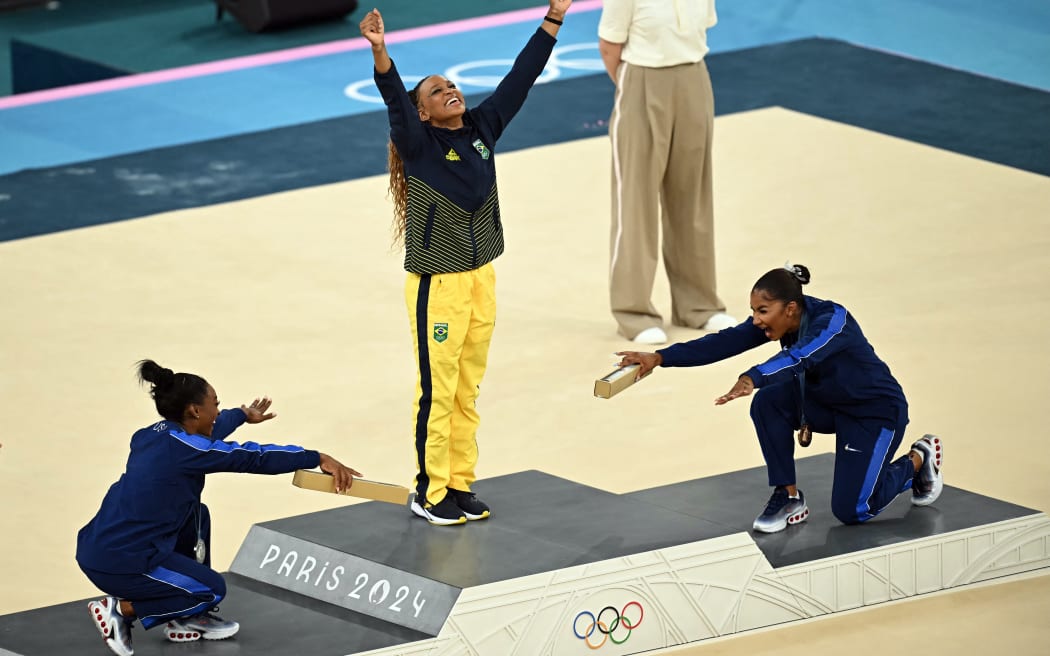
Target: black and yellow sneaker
x=469 y=503
x=444 y=513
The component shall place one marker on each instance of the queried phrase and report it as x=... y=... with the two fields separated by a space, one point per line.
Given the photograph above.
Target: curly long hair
x=398 y=192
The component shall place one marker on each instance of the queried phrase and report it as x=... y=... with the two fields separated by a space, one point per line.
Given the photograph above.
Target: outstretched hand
x=372 y=28
x=744 y=386
x=256 y=412
x=646 y=361
x=342 y=475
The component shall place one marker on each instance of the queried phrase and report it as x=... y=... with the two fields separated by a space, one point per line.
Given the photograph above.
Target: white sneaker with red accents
x=781 y=510
x=206 y=625
x=928 y=482
x=115 y=630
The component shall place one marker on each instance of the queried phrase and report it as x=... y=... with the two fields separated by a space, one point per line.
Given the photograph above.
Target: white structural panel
x=715 y=587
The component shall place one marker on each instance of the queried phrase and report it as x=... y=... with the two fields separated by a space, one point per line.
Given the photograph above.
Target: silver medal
x=200 y=551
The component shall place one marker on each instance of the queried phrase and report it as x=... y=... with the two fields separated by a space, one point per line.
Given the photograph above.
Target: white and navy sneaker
x=928 y=482
x=205 y=625
x=443 y=513
x=473 y=507
x=115 y=629
x=781 y=510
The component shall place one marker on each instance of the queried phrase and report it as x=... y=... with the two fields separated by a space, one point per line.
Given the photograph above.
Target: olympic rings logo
x=468 y=73
x=606 y=624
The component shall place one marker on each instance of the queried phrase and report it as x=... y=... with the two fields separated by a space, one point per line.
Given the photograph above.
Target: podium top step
x=542 y=522
x=733 y=500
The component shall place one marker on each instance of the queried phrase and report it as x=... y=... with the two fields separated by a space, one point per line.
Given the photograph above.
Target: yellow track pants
x=452 y=316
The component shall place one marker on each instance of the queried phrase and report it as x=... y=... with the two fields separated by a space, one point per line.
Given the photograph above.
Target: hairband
x=794 y=270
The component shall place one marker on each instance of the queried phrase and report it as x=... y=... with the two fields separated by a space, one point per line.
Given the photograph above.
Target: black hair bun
x=801 y=273
x=151 y=372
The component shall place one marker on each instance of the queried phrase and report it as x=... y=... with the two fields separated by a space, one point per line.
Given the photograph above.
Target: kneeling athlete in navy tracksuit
x=147 y=547
x=826 y=379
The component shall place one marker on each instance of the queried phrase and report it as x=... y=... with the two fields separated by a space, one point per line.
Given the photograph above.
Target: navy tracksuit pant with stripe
x=178 y=587
x=865 y=479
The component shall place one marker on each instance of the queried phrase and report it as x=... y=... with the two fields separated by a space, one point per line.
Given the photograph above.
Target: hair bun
x=799 y=271
x=151 y=372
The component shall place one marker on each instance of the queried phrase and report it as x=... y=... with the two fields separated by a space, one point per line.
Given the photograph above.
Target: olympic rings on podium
x=605 y=624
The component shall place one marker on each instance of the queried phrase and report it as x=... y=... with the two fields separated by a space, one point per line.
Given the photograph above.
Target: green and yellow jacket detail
x=453 y=221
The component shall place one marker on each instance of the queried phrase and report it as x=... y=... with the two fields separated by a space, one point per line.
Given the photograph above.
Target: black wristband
x=552 y=20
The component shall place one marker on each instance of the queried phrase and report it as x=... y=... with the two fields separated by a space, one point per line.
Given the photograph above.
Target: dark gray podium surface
x=272 y=622
x=540 y=523
x=733 y=500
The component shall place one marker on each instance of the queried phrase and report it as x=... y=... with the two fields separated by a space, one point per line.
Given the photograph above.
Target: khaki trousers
x=661 y=129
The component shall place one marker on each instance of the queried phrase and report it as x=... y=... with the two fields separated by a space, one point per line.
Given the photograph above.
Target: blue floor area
x=897 y=96
x=1008 y=40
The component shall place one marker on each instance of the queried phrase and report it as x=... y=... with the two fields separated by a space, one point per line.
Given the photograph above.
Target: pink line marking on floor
x=281 y=56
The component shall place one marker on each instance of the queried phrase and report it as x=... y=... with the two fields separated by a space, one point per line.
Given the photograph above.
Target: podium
x=562 y=567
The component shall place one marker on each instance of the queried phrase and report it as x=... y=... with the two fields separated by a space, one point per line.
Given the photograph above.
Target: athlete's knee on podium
x=846 y=512
x=219 y=592
x=213 y=587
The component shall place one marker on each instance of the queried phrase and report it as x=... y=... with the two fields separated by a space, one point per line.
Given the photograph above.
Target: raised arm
x=229 y=420
x=406 y=129
x=496 y=111
x=372 y=29
x=556 y=14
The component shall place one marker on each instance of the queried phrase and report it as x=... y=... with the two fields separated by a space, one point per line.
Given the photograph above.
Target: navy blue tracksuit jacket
x=830 y=374
x=139 y=546
x=136 y=526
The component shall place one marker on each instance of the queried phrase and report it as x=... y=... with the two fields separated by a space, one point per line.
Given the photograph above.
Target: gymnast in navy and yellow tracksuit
x=443 y=182
x=826 y=379
x=147 y=547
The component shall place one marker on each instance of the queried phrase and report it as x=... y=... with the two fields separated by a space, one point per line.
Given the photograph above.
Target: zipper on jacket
x=429 y=228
